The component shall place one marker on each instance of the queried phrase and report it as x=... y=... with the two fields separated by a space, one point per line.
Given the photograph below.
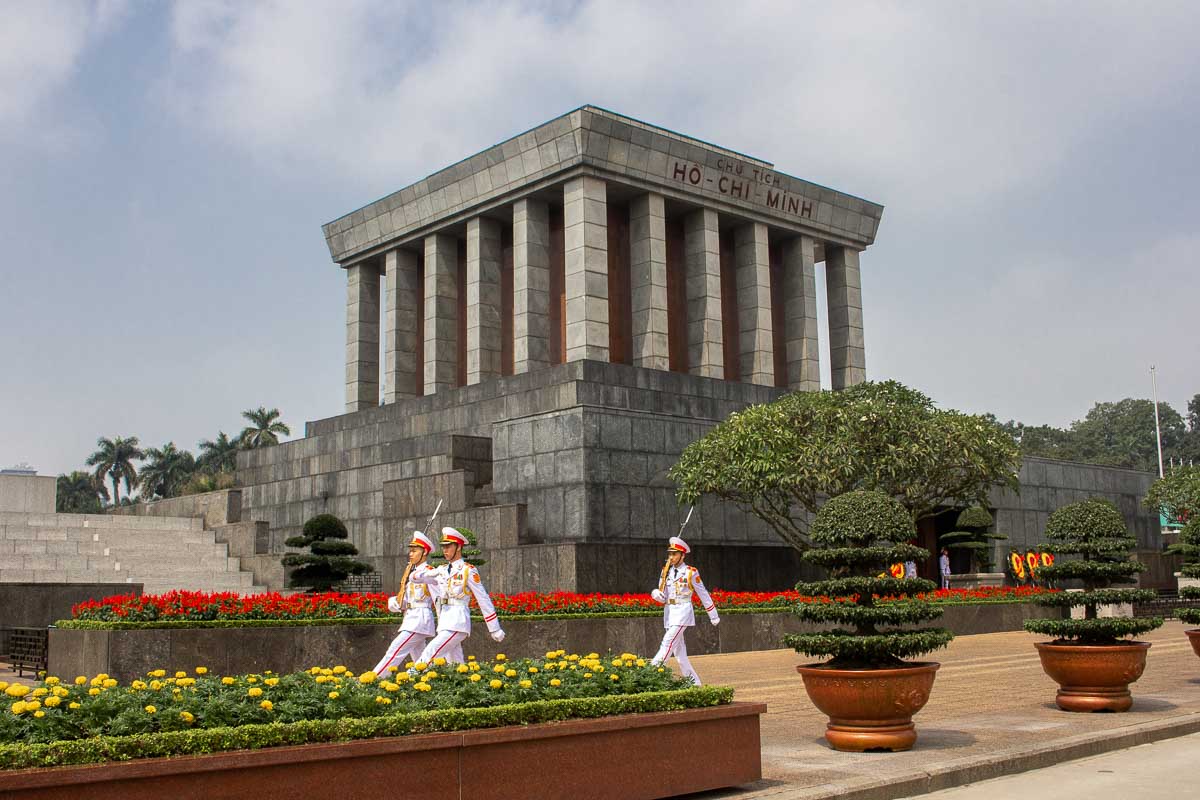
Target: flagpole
x=1157 y=430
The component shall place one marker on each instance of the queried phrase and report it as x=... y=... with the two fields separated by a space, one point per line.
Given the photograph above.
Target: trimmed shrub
x=855 y=537
x=328 y=563
x=1188 y=546
x=1095 y=531
x=972 y=535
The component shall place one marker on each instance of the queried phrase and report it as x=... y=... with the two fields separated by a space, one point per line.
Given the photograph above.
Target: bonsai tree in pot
x=1089 y=658
x=328 y=561
x=866 y=687
x=973 y=536
x=1189 y=547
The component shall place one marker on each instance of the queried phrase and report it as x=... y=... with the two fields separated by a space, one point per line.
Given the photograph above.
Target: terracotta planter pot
x=1094 y=677
x=1194 y=636
x=869 y=709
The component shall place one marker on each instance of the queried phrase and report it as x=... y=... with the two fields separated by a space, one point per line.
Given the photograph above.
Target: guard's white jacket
x=455 y=584
x=682 y=581
x=417 y=604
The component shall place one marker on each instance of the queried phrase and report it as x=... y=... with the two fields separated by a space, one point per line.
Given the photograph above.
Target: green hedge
x=252 y=737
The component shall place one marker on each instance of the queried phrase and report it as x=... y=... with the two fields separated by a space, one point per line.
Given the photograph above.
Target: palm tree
x=113 y=460
x=80 y=493
x=166 y=469
x=263 y=429
x=218 y=455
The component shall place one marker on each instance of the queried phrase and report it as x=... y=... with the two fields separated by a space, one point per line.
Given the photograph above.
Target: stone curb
x=972 y=770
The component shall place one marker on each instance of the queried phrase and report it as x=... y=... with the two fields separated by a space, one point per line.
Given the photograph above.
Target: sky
x=165 y=170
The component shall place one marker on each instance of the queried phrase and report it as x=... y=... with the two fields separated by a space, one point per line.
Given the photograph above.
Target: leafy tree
x=1045 y=441
x=1094 y=530
x=1121 y=434
x=201 y=482
x=855 y=537
x=264 y=428
x=972 y=535
x=218 y=455
x=1177 y=494
x=328 y=561
x=166 y=469
x=79 y=493
x=113 y=460
x=780 y=460
x=1188 y=546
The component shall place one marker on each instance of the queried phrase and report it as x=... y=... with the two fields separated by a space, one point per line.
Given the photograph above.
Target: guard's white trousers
x=447 y=644
x=673 y=644
x=404 y=648
x=945 y=581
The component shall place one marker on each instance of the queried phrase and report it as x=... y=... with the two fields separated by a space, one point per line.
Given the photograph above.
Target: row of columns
x=586 y=301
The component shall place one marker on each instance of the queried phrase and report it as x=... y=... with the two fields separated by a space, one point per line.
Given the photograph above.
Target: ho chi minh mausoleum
x=561 y=315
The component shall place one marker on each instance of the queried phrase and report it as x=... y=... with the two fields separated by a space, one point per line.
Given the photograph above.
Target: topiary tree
x=1094 y=530
x=972 y=535
x=470 y=553
x=328 y=562
x=1188 y=546
x=855 y=537
x=781 y=460
x=1177 y=494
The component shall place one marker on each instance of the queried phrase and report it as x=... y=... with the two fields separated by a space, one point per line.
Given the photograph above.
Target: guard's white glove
x=394 y=605
x=497 y=635
x=715 y=619
x=657 y=596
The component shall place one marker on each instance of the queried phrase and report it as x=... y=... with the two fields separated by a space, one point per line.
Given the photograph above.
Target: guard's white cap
x=421 y=540
x=452 y=536
x=679 y=544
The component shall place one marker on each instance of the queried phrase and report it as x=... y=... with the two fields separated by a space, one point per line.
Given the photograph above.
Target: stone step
x=102 y=521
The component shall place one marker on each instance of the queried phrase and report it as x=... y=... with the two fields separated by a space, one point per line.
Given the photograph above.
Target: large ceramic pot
x=1094 y=677
x=869 y=709
x=1194 y=636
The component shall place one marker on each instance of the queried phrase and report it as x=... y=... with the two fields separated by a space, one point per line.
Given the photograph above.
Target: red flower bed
x=182 y=605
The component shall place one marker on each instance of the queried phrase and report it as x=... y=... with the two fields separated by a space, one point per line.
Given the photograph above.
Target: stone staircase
x=161 y=553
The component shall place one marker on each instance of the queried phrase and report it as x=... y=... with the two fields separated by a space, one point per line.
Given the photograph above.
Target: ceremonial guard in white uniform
x=417 y=605
x=678 y=583
x=456 y=582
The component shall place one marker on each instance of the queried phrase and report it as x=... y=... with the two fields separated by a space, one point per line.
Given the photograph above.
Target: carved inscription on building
x=741 y=181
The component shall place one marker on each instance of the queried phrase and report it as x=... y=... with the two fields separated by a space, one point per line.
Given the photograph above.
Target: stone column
x=702 y=263
x=752 y=254
x=362 y=336
x=531 y=286
x=648 y=265
x=585 y=242
x=483 y=299
x=800 y=315
x=400 y=357
x=847 y=352
x=441 y=312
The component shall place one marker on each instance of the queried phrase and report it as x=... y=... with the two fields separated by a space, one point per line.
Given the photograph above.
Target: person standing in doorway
x=944 y=567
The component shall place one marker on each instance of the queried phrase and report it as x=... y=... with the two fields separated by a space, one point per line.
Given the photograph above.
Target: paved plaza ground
x=991 y=714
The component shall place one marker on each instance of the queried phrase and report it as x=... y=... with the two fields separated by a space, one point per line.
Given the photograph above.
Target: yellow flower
x=39 y=714
x=495 y=684
x=474 y=665
x=461 y=668
x=615 y=676
x=33 y=705
x=73 y=706
x=367 y=677
x=201 y=670
x=439 y=662
x=403 y=677
x=572 y=657
x=339 y=669
x=333 y=695
x=110 y=683
x=551 y=654
x=180 y=674
x=80 y=680
x=420 y=666
x=228 y=681
x=562 y=665
x=268 y=681
x=389 y=686
x=573 y=666
x=53 y=701
x=93 y=691
x=151 y=709
x=41 y=691
x=138 y=685
x=641 y=662
x=18 y=707
x=475 y=677
x=251 y=679
x=555 y=682
x=266 y=704
x=393 y=668
x=52 y=681
x=430 y=675
x=321 y=678
x=501 y=657
x=510 y=673
x=470 y=658
x=187 y=682
x=3 y=685
x=587 y=674
x=186 y=716
x=158 y=673
x=533 y=670
x=255 y=692
x=17 y=690
x=326 y=671
x=526 y=684
x=498 y=668
x=422 y=686
x=660 y=669
x=616 y=662
x=155 y=685
x=61 y=691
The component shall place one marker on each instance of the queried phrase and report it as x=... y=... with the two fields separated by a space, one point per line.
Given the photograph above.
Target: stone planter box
x=632 y=756
x=128 y=654
x=976 y=580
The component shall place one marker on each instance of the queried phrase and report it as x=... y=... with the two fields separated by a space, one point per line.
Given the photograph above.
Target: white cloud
x=41 y=47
